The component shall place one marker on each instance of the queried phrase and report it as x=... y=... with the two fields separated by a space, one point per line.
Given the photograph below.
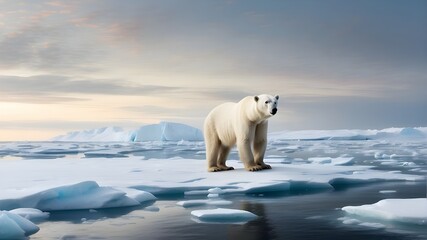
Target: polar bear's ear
x=276 y=97
x=256 y=98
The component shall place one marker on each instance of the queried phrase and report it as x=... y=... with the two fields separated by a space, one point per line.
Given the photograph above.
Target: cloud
x=58 y=88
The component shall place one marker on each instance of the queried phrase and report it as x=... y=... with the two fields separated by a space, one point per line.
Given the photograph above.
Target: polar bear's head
x=267 y=104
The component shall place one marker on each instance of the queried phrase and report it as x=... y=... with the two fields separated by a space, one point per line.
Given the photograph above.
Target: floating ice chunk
x=201 y=202
x=215 y=190
x=138 y=195
x=110 y=153
x=331 y=161
x=13 y=226
x=152 y=209
x=30 y=213
x=372 y=225
x=387 y=191
x=223 y=215
x=347 y=220
x=412 y=211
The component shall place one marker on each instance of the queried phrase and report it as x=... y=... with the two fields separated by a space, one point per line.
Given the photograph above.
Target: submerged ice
x=13 y=226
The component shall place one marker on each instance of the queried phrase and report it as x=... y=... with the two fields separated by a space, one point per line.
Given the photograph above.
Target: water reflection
x=259 y=228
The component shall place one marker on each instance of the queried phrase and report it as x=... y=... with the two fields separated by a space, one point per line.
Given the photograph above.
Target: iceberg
x=167 y=131
x=163 y=131
x=223 y=215
x=408 y=211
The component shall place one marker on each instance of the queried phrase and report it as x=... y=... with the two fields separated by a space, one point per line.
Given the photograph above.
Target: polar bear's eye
x=266 y=102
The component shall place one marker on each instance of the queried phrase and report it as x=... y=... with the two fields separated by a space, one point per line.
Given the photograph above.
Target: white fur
x=245 y=124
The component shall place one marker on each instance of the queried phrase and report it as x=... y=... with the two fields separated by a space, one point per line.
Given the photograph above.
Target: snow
x=13 y=226
x=409 y=211
x=168 y=131
x=223 y=215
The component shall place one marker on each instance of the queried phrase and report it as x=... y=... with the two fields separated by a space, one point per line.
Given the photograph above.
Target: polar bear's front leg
x=222 y=158
x=246 y=156
x=260 y=145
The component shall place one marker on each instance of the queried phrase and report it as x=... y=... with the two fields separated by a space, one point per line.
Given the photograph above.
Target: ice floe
x=409 y=211
x=91 y=183
x=223 y=215
x=83 y=195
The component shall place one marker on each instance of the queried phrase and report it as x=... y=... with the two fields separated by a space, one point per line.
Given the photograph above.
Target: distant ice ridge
x=163 y=131
x=356 y=134
x=105 y=134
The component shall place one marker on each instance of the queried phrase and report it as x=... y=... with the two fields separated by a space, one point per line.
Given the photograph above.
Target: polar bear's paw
x=254 y=168
x=220 y=168
x=265 y=166
x=225 y=168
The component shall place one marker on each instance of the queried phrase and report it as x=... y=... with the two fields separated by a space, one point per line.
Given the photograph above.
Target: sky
x=84 y=64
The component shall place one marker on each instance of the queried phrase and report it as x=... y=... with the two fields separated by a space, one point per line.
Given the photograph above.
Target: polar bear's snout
x=274 y=111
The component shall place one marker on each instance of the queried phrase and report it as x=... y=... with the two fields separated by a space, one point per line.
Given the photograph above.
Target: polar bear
x=243 y=124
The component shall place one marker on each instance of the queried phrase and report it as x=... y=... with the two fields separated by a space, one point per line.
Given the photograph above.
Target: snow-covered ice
x=223 y=215
x=113 y=182
x=92 y=174
x=413 y=211
x=83 y=195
